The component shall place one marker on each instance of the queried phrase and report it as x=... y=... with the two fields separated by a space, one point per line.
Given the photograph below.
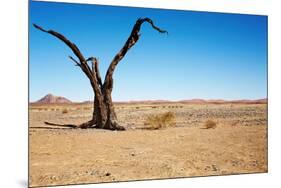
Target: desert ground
x=57 y=155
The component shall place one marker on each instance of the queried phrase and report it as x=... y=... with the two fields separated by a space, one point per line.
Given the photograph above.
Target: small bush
x=87 y=108
x=210 y=124
x=235 y=123
x=65 y=111
x=160 y=121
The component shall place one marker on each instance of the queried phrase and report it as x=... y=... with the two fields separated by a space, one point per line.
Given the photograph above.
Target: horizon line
x=161 y=100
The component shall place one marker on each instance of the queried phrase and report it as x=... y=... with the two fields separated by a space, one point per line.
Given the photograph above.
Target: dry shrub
x=235 y=123
x=65 y=111
x=160 y=121
x=87 y=108
x=210 y=124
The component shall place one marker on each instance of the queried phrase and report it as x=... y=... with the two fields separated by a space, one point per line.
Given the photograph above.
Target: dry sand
x=71 y=156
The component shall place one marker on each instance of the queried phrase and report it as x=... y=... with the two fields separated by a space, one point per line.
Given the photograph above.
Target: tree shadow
x=49 y=128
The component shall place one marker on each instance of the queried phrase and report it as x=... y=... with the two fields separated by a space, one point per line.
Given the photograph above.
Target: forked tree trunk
x=104 y=116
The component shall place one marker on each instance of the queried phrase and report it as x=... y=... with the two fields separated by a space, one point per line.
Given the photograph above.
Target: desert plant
x=235 y=123
x=87 y=108
x=65 y=111
x=210 y=124
x=160 y=121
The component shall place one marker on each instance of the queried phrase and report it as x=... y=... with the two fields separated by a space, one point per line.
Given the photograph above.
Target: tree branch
x=74 y=60
x=71 y=45
x=83 y=62
x=133 y=38
x=152 y=24
x=84 y=66
x=94 y=79
x=95 y=69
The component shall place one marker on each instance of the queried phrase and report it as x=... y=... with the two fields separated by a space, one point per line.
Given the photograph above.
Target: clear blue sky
x=205 y=55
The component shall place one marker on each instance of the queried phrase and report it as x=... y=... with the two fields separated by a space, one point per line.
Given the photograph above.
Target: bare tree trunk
x=104 y=116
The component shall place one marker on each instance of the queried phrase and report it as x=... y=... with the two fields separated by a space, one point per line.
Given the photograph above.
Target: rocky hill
x=48 y=99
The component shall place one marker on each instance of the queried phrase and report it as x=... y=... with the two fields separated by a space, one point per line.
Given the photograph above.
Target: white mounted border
x=14 y=96
x=260 y=7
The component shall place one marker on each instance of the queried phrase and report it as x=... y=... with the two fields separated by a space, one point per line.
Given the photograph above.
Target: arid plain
x=58 y=155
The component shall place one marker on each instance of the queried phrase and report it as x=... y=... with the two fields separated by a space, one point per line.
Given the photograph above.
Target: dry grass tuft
x=235 y=123
x=87 y=108
x=65 y=111
x=210 y=124
x=160 y=121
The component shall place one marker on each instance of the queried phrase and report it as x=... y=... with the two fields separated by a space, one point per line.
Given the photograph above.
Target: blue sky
x=206 y=55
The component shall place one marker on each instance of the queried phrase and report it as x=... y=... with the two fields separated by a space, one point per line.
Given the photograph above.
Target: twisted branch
x=133 y=38
x=83 y=62
x=71 y=45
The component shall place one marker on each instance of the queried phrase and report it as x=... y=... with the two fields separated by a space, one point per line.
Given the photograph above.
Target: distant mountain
x=199 y=101
x=258 y=101
x=87 y=102
x=220 y=101
x=194 y=101
x=50 y=99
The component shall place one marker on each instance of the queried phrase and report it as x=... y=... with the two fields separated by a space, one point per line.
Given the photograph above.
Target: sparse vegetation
x=160 y=121
x=202 y=147
x=87 y=108
x=235 y=123
x=65 y=111
x=210 y=124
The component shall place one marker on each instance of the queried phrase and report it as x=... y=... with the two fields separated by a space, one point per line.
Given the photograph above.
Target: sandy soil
x=70 y=156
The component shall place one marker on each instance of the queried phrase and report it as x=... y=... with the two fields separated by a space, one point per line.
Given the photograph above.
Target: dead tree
x=104 y=116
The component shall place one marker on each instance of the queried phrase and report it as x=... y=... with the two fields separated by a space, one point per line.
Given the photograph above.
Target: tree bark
x=104 y=116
